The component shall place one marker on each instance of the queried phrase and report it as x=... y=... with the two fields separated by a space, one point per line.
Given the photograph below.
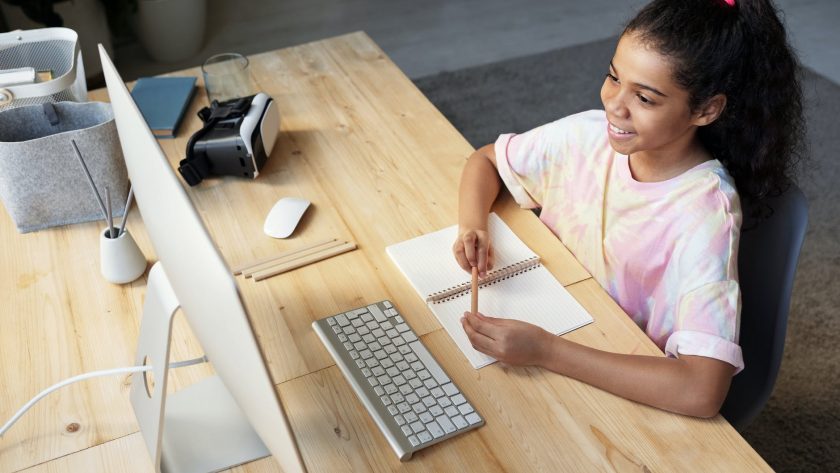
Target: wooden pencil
x=240 y=268
x=314 y=258
x=474 y=291
x=289 y=258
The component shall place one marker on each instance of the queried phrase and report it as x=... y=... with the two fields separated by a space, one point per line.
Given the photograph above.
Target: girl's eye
x=644 y=99
x=612 y=78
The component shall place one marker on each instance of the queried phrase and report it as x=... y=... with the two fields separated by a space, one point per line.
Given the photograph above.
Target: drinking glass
x=227 y=76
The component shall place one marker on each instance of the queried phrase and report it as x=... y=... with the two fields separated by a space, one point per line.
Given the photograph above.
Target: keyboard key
x=424 y=375
x=451 y=411
x=458 y=400
x=406 y=389
x=473 y=418
x=386 y=400
x=450 y=389
x=387 y=304
x=403 y=408
x=437 y=392
x=379 y=390
x=418 y=427
x=430 y=363
x=336 y=328
x=390 y=389
x=429 y=401
x=435 y=429
x=331 y=321
x=459 y=422
x=436 y=410
x=446 y=424
x=409 y=337
x=393 y=410
x=422 y=392
x=354 y=354
x=418 y=408
x=377 y=313
x=397 y=398
x=424 y=436
x=410 y=416
x=386 y=326
x=426 y=417
x=402 y=328
x=412 y=398
x=406 y=430
x=342 y=320
x=444 y=402
x=465 y=409
x=398 y=319
x=377 y=370
x=414 y=441
x=399 y=380
x=430 y=383
x=368 y=373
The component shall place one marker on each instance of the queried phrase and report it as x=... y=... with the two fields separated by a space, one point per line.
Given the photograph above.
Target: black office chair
x=768 y=255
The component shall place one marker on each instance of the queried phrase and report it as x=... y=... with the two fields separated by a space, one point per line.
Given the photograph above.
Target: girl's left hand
x=510 y=341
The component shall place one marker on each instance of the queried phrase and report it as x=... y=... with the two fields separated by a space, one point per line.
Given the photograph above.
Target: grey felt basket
x=42 y=183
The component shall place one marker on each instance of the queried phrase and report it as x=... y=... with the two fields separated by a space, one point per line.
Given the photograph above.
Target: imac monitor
x=186 y=432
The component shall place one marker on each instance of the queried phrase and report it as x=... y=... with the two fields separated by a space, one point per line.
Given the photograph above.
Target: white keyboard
x=404 y=389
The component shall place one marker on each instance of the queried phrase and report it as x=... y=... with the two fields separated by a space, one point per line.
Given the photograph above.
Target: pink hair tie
x=731 y=3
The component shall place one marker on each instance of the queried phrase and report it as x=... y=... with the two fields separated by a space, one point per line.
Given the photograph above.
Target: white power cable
x=92 y=374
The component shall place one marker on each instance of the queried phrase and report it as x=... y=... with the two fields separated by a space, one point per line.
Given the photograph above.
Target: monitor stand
x=202 y=429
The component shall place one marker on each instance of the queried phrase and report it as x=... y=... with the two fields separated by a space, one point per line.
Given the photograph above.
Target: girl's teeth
x=617 y=129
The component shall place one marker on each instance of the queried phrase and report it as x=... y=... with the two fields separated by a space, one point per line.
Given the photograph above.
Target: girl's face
x=648 y=111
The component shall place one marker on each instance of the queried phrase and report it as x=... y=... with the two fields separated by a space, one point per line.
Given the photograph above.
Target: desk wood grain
x=380 y=165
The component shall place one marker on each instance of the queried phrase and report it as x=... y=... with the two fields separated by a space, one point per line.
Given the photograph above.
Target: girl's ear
x=710 y=111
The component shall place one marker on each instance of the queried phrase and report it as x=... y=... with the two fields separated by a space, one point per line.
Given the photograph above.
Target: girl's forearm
x=689 y=385
x=480 y=185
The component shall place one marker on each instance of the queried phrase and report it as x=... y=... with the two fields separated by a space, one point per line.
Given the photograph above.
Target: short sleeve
x=519 y=186
x=707 y=324
x=528 y=162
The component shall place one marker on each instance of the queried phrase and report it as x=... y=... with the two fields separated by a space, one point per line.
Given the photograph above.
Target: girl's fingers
x=469 y=240
x=483 y=325
x=479 y=341
x=461 y=257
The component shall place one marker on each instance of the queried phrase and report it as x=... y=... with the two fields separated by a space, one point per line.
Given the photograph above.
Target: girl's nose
x=614 y=105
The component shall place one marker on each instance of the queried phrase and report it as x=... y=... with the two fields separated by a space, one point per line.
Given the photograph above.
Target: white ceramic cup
x=120 y=259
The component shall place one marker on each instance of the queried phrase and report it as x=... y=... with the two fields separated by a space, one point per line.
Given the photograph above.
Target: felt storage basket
x=42 y=182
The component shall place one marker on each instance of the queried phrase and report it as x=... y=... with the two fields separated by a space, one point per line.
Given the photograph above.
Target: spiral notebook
x=518 y=287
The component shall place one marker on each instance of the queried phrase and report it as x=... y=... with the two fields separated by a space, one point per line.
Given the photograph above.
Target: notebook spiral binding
x=495 y=276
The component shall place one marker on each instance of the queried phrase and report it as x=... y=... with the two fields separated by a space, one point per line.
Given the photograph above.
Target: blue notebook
x=162 y=101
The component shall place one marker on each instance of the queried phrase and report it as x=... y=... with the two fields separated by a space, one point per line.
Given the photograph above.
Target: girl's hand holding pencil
x=474 y=249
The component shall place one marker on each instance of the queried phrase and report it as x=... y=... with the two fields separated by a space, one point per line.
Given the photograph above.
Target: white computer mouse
x=284 y=217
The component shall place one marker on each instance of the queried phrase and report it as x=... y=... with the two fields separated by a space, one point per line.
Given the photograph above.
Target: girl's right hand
x=473 y=248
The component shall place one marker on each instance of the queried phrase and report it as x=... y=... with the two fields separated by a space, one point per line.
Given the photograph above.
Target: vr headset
x=236 y=140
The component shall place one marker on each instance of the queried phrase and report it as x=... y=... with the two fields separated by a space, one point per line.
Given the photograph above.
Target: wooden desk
x=380 y=165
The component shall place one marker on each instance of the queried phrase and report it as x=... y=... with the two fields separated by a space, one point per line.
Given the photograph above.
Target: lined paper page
x=428 y=263
x=534 y=296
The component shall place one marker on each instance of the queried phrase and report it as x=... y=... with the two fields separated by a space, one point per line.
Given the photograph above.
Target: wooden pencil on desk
x=246 y=266
x=301 y=253
x=297 y=263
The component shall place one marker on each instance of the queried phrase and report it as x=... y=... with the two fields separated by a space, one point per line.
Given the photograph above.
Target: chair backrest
x=768 y=255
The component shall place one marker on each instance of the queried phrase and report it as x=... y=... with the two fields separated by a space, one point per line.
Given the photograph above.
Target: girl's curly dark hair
x=741 y=51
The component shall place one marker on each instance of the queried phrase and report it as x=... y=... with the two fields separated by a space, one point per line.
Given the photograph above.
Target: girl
x=701 y=98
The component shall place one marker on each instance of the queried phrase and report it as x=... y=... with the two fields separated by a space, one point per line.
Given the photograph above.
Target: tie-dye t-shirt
x=665 y=251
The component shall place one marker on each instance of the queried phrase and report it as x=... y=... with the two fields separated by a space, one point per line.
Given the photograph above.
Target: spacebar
x=431 y=365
